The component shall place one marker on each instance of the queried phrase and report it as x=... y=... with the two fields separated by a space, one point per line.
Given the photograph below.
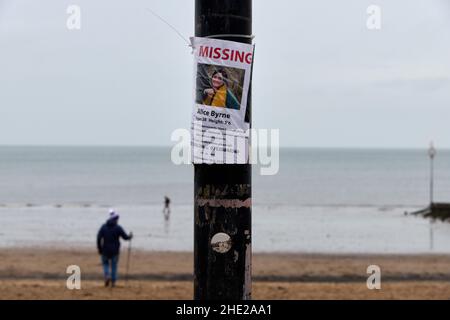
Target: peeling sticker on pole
x=221 y=242
x=226 y=203
x=220 y=118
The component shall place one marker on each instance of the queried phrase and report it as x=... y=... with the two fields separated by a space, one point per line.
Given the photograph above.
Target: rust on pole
x=222 y=192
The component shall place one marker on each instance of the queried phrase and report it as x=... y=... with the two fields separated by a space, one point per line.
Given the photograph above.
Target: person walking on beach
x=108 y=245
x=166 y=212
x=166 y=209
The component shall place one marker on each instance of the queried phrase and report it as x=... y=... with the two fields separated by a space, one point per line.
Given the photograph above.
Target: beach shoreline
x=40 y=273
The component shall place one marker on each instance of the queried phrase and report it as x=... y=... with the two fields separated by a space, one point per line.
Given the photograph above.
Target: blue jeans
x=110 y=267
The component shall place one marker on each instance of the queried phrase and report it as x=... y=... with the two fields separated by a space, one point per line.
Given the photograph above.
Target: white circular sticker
x=221 y=242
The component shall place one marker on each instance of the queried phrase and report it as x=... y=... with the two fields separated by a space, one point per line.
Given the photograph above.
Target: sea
x=321 y=200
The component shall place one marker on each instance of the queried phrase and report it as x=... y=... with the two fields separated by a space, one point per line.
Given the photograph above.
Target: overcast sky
x=320 y=75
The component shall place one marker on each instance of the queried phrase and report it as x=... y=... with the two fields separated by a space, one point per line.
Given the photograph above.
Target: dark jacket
x=108 y=238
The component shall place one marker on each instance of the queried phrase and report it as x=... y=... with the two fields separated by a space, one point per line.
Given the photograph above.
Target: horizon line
x=170 y=146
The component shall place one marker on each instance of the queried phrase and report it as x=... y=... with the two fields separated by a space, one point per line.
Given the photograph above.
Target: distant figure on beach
x=108 y=244
x=166 y=212
x=166 y=209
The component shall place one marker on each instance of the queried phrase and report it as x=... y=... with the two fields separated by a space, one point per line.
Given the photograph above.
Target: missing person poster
x=220 y=119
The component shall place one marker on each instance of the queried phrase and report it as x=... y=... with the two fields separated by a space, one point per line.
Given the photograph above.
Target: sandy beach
x=40 y=273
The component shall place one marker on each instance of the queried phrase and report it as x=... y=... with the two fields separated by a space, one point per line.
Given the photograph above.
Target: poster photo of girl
x=219 y=86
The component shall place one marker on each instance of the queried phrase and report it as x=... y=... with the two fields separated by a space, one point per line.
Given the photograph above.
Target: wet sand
x=38 y=273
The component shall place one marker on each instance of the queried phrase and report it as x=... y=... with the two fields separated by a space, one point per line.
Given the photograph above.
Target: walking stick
x=128 y=260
